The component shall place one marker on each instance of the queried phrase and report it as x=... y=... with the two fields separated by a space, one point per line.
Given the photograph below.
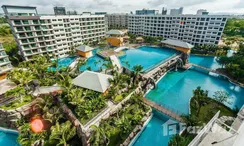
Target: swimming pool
x=174 y=90
x=8 y=137
x=205 y=61
x=154 y=132
x=95 y=63
x=64 y=62
x=146 y=56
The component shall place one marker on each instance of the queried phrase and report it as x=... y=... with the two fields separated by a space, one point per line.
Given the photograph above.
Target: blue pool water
x=63 y=62
x=174 y=90
x=146 y=56
x=206 y=61
x=95 y=62
x=154 y=133
x=8 y=138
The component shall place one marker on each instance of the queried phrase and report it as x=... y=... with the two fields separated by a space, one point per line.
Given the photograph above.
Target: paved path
x=163 y=110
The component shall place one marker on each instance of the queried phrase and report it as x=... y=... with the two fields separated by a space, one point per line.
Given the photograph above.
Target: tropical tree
x=178 y=140
x=222 y=97
x=124 y=125
x=136 y=69
x=61 y=133
x=199 y=96
x=18 y=92
x=98 y=136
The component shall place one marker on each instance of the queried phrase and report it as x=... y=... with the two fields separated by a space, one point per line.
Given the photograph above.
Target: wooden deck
x=163 y=110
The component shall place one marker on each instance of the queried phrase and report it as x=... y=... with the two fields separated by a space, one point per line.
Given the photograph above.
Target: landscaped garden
x=202 y=109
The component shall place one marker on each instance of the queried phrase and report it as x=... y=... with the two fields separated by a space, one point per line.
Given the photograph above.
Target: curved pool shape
x=205 y=61
x=95 y=63
x=64 y=62
x=174 y=90
x=146 y=56
x=8 y=137
x=154 y=132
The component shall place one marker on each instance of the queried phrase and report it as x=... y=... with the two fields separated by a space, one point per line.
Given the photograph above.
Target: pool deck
x=109 y=52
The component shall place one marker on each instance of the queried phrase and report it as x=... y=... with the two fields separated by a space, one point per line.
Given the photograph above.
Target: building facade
x=59 y=10
x=5 y=64
x=117 y=20
x=147 y=12
x=176 y=11
x=52 y=35
x=194 y=29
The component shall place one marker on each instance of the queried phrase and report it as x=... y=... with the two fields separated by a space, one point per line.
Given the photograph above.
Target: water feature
x=146 y=56
x=205 y=61
x=64 y=62
x=156 y=132
x=174 y=90
x=8 y=137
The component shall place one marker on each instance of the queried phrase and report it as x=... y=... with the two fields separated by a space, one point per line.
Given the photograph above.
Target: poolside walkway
x=163 y=110
x=160 y=66
x=217 y=72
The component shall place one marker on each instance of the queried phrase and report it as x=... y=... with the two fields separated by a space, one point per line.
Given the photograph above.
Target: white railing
x=200 y=136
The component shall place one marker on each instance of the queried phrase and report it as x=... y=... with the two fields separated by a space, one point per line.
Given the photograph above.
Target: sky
x=126 y=6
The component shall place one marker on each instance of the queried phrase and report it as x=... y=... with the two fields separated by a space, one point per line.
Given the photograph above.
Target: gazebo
x=84 y=51
x=115 y=38
x=139 y=40
x=94 y=81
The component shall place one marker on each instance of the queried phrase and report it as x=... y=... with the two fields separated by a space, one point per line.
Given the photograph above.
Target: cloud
x=240 y=4
x=177 y=3
x=125 y=6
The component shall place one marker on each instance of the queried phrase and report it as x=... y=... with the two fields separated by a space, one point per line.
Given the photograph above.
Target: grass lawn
x=210 y=109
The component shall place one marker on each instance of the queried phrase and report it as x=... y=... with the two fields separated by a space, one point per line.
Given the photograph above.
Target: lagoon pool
x=146 y=56
x=8 y=138
x=205 y=61
x=95 y=63
x=64 y=62
x=174 y=90
x=154 y=132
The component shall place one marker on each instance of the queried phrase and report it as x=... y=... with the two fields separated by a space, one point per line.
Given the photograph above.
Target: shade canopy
x=84 y=48
x=92 y=80
x=177 y=43
x=115 y=32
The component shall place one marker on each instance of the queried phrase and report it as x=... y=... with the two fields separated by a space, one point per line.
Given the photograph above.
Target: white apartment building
x=117 y=20
x=194 y=29
x=5 y=64
x=52 y=34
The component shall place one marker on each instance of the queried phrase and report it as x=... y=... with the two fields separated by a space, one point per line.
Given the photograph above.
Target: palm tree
x=136 y=69
x=61 y=134
x=178 y=140
x=98 y=136
x=78 y=65
x=199 y=96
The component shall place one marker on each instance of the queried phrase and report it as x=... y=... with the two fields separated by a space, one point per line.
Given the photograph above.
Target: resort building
x=115 y=38
x=202 y=12
x=94 y=81
x=117 y=20
x=59 y=11
x=5 y=64
x=84 y=51
x=176 y=11
x=147 y=12
x=53 y=34
x=194 y=29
